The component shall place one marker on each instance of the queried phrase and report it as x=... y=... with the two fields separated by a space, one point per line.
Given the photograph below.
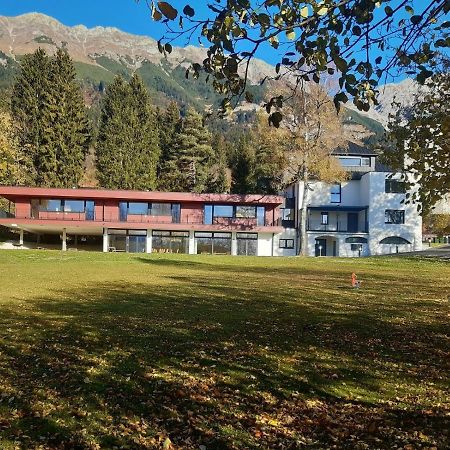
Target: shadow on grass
x=216 y=362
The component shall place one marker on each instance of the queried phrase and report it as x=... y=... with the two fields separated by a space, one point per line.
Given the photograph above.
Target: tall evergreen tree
x=67 y=132
x=243 y=167
x=28 y=105
x=169 y=123
x=128 y=143
x=189 y=160
x=48 y=108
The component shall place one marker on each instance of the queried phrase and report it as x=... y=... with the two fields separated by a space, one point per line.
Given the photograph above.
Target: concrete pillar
x=105 y=240
x=191 y=242
x=21 y=237
x=64 y=240
x=149 y=243
x=38 y=238
x=234 y=243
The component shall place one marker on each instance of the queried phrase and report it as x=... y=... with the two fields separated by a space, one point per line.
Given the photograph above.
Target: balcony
x=337 y=219
x=193 y=219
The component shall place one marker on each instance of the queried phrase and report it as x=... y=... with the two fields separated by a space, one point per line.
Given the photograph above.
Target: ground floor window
x=286 y=243
x=213 y=243
x=247 y=244
x=170 y=241
x=132 y=241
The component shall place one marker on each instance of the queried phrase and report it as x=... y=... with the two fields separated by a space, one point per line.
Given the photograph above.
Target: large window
x=395 y=186
x=76 y=206
x=212 y=212
x=161 y=209
x=51 y=205
x=223 y=211
x=394 y=216
x=136 y=208
x=247 y=244
x=213 y=243
x=335 y=193
x=354 y=161
x=248 y=212
x=170 y=241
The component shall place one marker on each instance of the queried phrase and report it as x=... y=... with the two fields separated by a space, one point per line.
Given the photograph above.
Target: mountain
x=102 y=52
x=403 y=93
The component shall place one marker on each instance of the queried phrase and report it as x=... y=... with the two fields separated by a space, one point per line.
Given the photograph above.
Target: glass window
x=201 y=234
x=208 y=215
x=223 y=211
x=245 y=211
x=335 y=193
x=395 y=186
x=161 y=209
x=35 y=208
x=394 y=240
x=350 y=162
x=356 y=240
x=356 y=247
x=138 y=208
x=176 y=213
x=170 y=241
x=287 y=214
x=260 y=216
x=76 y=206
x=51 y=205
x=394 y=216
x=286 y=243
x=253 y=236
x=137 y=232
x=123 y=209
x=222 y=243
x=324 y=218
x=365 y=162
x=204 y=245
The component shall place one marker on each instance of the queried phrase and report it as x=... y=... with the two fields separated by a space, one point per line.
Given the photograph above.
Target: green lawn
x=136 y=352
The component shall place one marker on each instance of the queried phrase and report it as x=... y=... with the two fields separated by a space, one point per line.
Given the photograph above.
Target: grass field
x=160 y=351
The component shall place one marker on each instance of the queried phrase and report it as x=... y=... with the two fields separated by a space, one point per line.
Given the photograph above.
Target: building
x=363 y=216
x=359 y=217
x=134 y=221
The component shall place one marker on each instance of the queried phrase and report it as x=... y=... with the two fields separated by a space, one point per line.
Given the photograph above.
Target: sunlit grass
x=134 y=351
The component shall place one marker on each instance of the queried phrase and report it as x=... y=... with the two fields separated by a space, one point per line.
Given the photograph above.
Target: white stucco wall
x=379 y=201
x=288 y=233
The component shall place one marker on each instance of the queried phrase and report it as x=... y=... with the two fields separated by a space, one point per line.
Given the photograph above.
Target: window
x=260 y=216
x=247 y=244
x=394 y=186
x=354 y=162
x=324 y=218
x=223 y=211
x=161 y=209
x=248 y=212
x=170 y=241
x=356 y=240
x=213 y=243
x=356 y=247
x=208 y=215
x=286 y=243
x=394 y=216
x=51 y=205
x=138 y=208
x=335 y=193
x=394 y=240
x=75 y=206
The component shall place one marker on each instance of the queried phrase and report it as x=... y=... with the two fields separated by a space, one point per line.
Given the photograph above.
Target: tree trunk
x=303 y=235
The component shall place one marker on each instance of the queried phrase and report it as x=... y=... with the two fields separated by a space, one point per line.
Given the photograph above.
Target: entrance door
x=321 y=247
x=352 y=220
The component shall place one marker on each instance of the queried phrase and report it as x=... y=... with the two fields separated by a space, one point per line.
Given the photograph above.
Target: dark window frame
x=392 y=186
x=283 y=243
x=336 y=193
x=324 y=214
x=394 y=216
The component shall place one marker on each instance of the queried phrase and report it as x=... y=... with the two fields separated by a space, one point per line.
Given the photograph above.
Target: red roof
x=11 y=192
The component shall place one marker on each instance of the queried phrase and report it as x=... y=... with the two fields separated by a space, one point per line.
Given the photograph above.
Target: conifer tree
x=128 y=143
x=67 y=132
x=169 y=123
x=243 y=167
x=28 y=105
x=189 y=161
x=48 y=108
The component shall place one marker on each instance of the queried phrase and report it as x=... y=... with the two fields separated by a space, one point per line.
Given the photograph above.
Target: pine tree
x=243 y=167
x=169 y=123
x=128 y=143
x=189 y=161
x=28 y=105
x=48 y=108
x=67 y=134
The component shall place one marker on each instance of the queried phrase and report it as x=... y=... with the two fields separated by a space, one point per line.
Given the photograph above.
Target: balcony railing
x=194 y=219
x=337 y=228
